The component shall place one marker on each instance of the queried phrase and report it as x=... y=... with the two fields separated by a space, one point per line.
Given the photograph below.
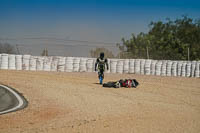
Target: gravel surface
x=75 y=103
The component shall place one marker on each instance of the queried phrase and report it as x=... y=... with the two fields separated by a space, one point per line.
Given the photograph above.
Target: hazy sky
x=89 y=20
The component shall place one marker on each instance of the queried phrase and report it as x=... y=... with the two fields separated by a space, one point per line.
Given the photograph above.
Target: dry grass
x=73 y=102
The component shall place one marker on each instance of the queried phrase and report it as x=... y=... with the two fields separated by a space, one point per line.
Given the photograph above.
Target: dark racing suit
x=101 y=66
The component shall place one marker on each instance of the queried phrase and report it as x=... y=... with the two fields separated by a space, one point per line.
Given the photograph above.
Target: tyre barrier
x=131 y=65
x=33 y=62
x=11 y=62
x=153 y=67
x=83 y=64
x=174 y=68
x=142 y=63
x=137 y=66
x=158 y=68
x=69 y=64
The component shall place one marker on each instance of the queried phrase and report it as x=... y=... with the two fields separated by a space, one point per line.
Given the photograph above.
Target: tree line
x=166 y=40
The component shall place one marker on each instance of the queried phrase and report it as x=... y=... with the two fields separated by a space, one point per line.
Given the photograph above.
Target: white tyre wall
x=40 y=63
x=47 y=63
x=61 y=63
x=169 y=68
x=147 y=67
x=193 y=68
x=132 y=66
x=137 y=66
x=142 y=63
x=11 y=62
x=180 y=64
x=26 y=62
x=183 y=69
x=76 y=64
x=33 y=62
x=126 y=65
x=18 y=62
x=83 y=67
x=164 y=68
x=69 y=64
x=54 y=63
x=153 y=67
x=4 y=61
x=113 y=65
x=174 y=68
x=158 y=68
x=119 y=67
x=89 y=64
x=188 y=69
x=197 y=69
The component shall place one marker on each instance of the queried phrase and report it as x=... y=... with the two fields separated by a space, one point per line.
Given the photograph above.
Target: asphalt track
x=11 y=100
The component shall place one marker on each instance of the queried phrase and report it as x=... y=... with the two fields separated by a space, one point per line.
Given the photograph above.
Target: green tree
x=166 y=40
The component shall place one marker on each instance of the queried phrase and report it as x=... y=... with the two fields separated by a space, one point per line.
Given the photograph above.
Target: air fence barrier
x=83 y=64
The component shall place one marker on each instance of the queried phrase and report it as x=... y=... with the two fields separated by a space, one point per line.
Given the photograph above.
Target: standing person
x=101 y=62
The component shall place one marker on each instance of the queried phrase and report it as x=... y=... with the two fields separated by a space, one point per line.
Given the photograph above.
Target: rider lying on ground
x=128 y=83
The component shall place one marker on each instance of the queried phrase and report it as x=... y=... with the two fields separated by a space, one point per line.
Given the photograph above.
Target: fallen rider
x=128 y=83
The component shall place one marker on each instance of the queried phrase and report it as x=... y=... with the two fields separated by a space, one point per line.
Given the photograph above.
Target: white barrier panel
x=54 y=63
x=169 y=68
x=47 y=63
x=76 y=64
x=158 y=68
x=180 y=64
x=89 y=64
x=40 y=63
x=183 y=69
x=61 y=63
x=4 y=61
x=142 y=63
x=188 y=69
x=132 y=66
x=164 y=68
x=33 y=60
x=153 y=67
x=69 y=64
x=113 y=65
x=83 y=67
x=25 y=62
x=197 y=68
x=174 y=68
x=119 y=67
x=137 y=66
x=18 y=62
x=147 y=67
x=126 y=66
x=193 y=68
x=11 y=62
